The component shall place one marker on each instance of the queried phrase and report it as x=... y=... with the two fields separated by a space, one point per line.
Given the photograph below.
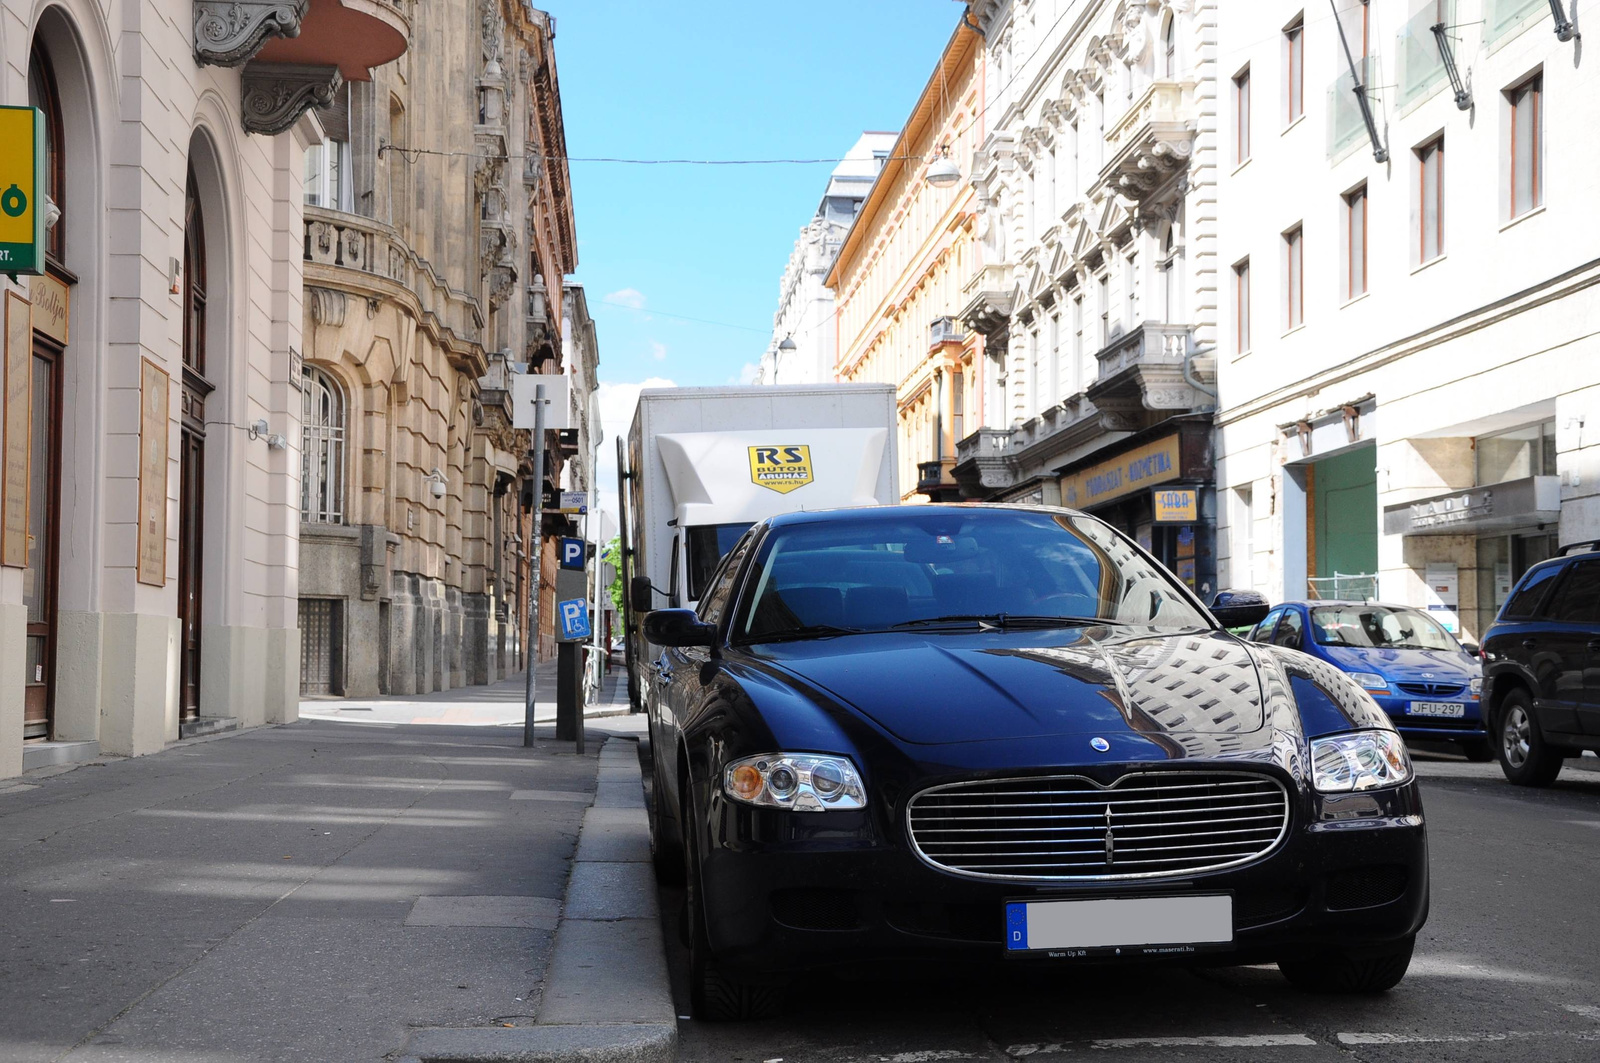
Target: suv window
x=1577 y=599
x=1526 y=600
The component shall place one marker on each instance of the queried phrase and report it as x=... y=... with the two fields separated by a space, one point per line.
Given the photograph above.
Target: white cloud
x=632 y=298
x=747 y=373
x=658 y=350
x=617 y=403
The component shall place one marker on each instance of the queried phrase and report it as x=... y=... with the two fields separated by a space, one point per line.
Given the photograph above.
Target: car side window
x=1263 y=631
x=1525 y=601
x=1577 y=599
x=1290 y=632
x=716 y=600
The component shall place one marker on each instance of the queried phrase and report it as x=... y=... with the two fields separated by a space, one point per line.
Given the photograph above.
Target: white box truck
x=703 y=464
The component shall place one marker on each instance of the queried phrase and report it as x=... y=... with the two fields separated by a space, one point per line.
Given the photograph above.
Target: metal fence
x=1358 y=587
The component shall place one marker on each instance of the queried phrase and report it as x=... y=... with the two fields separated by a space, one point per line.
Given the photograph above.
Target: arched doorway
x=192 y=454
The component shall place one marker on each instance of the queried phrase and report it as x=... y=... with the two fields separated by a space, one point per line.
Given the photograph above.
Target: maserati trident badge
x=1099 y=744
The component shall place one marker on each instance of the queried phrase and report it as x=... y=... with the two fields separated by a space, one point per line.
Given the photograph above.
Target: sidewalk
x=318 y=891
x=494 y=705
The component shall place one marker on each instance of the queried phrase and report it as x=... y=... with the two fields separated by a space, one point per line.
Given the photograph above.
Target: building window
x=1526 y=142
x=1294 y=70
x=1077 y=345
x=42 y=94
x=1241 y=117
x=1244 y=547
x=1169 y=49
x=328 y=175
x=1241 y=306
x=324 y=424
x=1105 y=310
x=958 y=405
x=1430 y=200
x=1036 y=383
x=1355 y=243
x=1171 y=278
x=1294 y=280
x=1130 y=291
x=1057 y=377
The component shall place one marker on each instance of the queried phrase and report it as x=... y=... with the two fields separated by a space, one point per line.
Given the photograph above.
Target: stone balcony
x=1152 y=141
x=981 y=466
x=1143 y=370
x=936 y=479
x=349 y=256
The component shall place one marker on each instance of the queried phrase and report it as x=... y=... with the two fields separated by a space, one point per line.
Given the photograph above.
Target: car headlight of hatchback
x=1475 y=686
x=1370 y=681
x=1363 y=760
x=800 y=782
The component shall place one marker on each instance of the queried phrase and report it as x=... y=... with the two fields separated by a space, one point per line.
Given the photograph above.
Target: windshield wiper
x=996 y=621
x=809 y=631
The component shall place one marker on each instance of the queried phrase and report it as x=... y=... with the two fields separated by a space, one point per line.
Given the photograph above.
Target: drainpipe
x=1193 y=381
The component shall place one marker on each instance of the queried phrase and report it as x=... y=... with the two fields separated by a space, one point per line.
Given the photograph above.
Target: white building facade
x=1408 y=361
x=148 y=559
x=804 y=345
x=1097 y=294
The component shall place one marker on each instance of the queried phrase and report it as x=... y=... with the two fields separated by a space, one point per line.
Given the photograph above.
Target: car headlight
x=1475 y=686
x=800 y=782
x=1370 y=681
x=1364 y=760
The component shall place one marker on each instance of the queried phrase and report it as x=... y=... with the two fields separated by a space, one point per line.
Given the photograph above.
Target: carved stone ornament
x=230 y=32
x=275 y=95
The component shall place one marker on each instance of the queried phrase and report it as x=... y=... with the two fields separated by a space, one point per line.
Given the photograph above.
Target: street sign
x=574 y=616
x=574 y=502
x=557 y=403
x=573 y=553
x=21 y=190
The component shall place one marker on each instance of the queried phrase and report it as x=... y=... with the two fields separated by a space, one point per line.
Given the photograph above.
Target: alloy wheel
x=1514 y=736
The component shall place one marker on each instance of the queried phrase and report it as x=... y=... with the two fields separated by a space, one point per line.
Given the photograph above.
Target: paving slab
x=552 y=795
x=611 y=891
x=612 y=834
x=607 y=972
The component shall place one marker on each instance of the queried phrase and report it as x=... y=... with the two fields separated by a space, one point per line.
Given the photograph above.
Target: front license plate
x=1150 y=924
x=1437 y=708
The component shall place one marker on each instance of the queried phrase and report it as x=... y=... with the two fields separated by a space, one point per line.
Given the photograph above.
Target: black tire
x=666 y=852
x=1478 y=750
x=715 y=995
x=1525 y=757
x=1375 y=970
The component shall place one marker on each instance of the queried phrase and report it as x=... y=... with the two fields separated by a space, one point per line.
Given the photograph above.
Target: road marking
x=1588 y=1011
x=1416 y=1039
x=1450 y=966
x=1585 y=822
x=1266 y=1040
x=926 y=1057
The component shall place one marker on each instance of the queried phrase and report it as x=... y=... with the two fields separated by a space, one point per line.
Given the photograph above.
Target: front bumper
x=1355 y=874
x=1438 y=728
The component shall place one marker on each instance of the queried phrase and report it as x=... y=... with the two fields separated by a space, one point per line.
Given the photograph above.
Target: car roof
x=865 y=514
x=1314 y=602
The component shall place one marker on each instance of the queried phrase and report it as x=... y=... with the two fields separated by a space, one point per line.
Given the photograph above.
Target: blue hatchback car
x=1414 y=669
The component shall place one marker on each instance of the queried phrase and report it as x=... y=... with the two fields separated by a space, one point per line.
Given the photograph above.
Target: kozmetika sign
x=21 y=190
x=1147 y=466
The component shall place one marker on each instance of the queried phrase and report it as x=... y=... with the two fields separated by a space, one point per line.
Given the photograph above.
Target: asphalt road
x=1508 y=968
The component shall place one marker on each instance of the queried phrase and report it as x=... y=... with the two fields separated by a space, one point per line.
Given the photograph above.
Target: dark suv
x=1541 y=668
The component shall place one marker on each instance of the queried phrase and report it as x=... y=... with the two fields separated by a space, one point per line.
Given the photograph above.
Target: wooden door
x=192 y=458
x=39 y=578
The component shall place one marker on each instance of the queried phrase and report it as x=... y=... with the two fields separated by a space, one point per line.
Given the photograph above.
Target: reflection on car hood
x=1197 y=692
x=1404 y=664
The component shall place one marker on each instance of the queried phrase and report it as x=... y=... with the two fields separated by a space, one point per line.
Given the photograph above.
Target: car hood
x=1448 y=665
x=1196 y=692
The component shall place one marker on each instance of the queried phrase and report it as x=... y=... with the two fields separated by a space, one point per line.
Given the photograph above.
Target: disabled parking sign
x=574 y=617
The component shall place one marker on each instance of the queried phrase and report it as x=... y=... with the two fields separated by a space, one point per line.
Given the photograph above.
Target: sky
x=681 y=263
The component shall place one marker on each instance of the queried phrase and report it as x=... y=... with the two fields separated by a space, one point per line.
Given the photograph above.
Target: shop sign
x=155 y=407
x=1147 y=466
x=21 y=190
x=1175 y=505
x=781 y=468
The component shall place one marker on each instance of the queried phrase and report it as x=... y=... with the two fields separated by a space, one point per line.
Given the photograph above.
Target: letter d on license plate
x=1120 y=922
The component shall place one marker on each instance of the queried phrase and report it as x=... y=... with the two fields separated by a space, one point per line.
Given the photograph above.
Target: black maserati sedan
x=953 y=733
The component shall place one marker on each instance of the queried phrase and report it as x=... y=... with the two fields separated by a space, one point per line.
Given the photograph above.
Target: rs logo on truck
x=780 y=468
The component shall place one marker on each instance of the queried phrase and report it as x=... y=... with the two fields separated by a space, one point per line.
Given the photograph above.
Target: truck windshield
x=1379 y=627
x=707 y=545
x=979 y=567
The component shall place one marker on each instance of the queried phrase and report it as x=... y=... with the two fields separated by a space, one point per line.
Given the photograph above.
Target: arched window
x=1169 y=49
x=43 y=95
x=323 y=428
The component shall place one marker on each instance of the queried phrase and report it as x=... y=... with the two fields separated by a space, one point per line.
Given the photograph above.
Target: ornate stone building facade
x=148 y=561
x=438 y=228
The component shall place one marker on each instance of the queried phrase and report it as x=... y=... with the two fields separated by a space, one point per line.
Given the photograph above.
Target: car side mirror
x=1473 y=648
x=678 y=627
x=641 y=595
x=1239 y=608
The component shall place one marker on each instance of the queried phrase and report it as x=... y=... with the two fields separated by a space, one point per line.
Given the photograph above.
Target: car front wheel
x=1368 y=971
x=715 y=995
x=1525 y=757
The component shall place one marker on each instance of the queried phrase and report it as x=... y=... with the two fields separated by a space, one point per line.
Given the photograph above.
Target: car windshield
x=961 y=568
x=1379 y=627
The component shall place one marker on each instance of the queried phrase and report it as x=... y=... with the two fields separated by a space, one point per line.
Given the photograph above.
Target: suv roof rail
x=1591 y=544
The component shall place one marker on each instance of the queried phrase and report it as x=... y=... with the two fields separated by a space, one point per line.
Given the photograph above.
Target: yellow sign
x=21 y=190
x=1151 y=464
x=1176 y=505
x=781 y=468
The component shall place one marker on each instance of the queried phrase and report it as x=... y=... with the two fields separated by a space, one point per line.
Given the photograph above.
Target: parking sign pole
x=531 y=550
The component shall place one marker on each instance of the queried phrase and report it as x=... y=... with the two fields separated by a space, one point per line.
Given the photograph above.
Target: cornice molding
x=273 y=96
x=230 y=32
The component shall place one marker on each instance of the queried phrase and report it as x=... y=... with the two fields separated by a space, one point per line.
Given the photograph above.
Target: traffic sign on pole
x=574 y=615
x=573 y=553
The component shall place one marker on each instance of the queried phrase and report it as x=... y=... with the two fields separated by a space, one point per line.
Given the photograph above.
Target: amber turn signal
x=745 y=782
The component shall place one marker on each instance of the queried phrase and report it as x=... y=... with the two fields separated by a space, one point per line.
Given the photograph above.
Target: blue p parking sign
x=573 y=553
x=574 y=615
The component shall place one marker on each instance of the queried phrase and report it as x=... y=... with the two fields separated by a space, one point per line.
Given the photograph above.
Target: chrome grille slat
x=1161 y=824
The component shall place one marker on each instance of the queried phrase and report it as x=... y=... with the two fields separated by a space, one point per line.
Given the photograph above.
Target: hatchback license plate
x=1437 y=708
x=1143 y=923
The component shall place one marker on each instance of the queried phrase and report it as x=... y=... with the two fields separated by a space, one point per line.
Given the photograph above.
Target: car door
x=1562 y=650
x=1291 y=630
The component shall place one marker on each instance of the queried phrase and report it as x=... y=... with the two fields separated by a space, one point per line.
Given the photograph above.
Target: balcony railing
x=1148 y=344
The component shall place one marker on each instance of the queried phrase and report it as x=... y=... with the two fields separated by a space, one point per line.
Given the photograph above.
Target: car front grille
x=1066 y=827
x=1431 y=690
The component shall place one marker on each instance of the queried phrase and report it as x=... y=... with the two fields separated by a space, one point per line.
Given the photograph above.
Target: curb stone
x=607 y=997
